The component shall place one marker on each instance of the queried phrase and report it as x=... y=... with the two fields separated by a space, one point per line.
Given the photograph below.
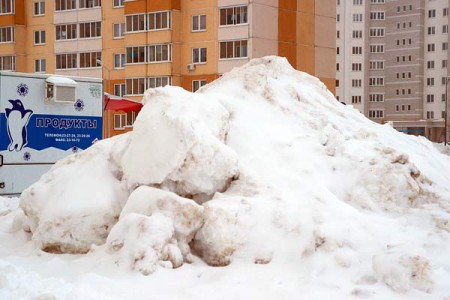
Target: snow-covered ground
x=259 y=186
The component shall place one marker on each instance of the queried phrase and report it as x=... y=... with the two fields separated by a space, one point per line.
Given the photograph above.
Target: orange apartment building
x=140 y=44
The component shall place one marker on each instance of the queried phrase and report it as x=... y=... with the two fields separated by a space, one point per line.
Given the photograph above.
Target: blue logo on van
x=17 y=119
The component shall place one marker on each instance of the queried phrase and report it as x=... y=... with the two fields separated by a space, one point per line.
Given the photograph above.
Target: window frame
x=200 y=57
x=198 y=22
x=41 y=62
x=41 y=7
x=200 y=82
x=233 y=49
x=234 y=14
x=41 y=36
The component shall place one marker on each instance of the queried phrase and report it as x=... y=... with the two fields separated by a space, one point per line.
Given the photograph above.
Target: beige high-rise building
x=135 y=45
x=391 y=62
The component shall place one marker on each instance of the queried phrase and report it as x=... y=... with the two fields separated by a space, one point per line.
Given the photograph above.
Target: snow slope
x=262 y=172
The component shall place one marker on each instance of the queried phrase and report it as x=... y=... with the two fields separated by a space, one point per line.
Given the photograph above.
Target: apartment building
x=140 y=44
x=391 y=62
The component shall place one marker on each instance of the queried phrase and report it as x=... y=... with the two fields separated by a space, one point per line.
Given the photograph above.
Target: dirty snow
x=262 y=173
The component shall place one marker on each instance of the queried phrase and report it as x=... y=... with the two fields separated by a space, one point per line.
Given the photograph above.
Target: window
x=376 y=65
x=39 y=37
x=199 y=23
x=376 y=113
x=430 y=114
x=431 y=30
x=357 y=17
x=119 y=89
x=357 y=67
x=376 y=81
x=233 y=15
x=430 y=64
x=119 y=121
x=7 y=34
x=119 y=61
x=6 y=7
x=90 y=3
x=357 y=34
x=136 y=54
x=338 y=17
x=118 y=3
x=430 y=47
x=159 y=20
x=66 y=32
x=445 y=12
x=39 y=65
x=357 y=50
x=7 y=63
x=159 y=53
x=39 y=8
x=444 y=28
x=130 y=118
x=89 y=59
x=149 y=21
x=444 y=63
x=136 y=23
x=376 y=32
x=123 y=120
x=377 y=1
x=357 y=2
x=196 y=84
x=444 y=46
x=90 y=30
x=432 y=13
x=376 y=97
x=119 y=29
x=66 y=61
x=137 y=86
x=377 y=15
x=198 y=55
x=356 y=82
x=233 y=49
x=430 y=98
x=430 y=81
x=356 y=99
x=61 y=5
x=376 y=48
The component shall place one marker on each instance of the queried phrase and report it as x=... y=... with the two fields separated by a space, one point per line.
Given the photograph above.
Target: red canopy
x=118 y=103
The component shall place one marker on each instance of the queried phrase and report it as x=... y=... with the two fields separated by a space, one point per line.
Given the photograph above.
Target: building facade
x=391 y=62
x=140 y=44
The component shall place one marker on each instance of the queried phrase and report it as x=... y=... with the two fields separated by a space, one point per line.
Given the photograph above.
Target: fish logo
x=17 y=121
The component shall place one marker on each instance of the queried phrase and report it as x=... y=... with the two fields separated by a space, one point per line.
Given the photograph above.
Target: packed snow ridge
x=263 y=166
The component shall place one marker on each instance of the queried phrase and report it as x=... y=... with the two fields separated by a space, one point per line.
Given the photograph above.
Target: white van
x=44 y=118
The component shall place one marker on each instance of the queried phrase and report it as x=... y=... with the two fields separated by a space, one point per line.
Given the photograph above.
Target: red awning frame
x=117 y=103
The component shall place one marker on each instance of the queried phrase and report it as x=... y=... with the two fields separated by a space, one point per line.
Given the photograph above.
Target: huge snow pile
x=263 y=166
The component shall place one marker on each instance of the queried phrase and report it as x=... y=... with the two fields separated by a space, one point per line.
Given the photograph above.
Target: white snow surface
x=261 y=172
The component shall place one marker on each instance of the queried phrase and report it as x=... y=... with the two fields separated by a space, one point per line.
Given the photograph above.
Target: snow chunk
x=8 y=205
x=403 y=268
x=178 y=143
x=186 y=215
x=69 y=208
x=145 y=242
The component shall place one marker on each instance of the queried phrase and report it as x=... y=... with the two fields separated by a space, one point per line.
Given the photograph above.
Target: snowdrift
x=262 y=166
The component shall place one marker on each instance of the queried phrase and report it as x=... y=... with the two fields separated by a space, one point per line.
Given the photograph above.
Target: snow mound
x=278 y=172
